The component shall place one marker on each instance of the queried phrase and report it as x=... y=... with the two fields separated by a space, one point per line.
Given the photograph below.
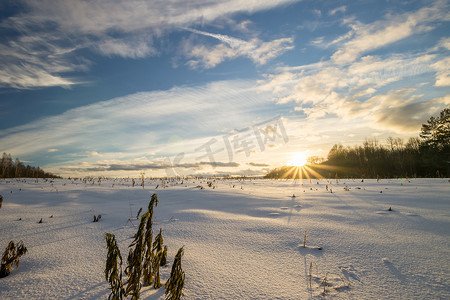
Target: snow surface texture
x=243 y=239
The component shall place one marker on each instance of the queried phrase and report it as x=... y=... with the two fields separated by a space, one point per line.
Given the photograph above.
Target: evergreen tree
x=435 y=144
x=436 y=133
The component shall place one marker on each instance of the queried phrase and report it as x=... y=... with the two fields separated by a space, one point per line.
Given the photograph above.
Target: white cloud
x=341 y=9
x=445 y=43
x=258 y=51
x=384 y=32
x=230 y=41
x=408 y=116
x=265 y=51
x=317 y=12
x=50 y=32
x=126 y=48
x=442 y=68
x=205 y=57
x=96 y=17
x=143 y=123
x=374 y=90
x=359 y=91
x=339 y=40
x=243 y=26
x=25 y=76
x=35 y=61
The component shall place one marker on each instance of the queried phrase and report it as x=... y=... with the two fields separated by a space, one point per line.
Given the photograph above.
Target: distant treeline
x=424 y=156
x=16 y=169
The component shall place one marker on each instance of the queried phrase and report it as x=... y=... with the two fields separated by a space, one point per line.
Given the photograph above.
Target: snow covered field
x=243 y=239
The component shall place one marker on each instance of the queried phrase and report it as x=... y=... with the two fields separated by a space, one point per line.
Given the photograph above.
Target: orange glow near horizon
x=310 y=171
x=298 y=167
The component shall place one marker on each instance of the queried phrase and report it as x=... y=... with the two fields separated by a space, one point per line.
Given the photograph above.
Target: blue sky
x=115 y=88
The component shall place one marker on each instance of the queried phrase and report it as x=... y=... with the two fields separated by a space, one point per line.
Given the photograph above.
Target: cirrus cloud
x=48 y=34
x=372 y=36
x=209 y=56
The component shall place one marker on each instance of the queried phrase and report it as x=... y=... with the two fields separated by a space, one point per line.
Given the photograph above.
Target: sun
x=297 y=160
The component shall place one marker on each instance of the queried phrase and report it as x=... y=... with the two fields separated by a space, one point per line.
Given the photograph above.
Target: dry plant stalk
x=326 y=284
x=11 y=257
x=324 y=280
x=174 y=285
x=113 y=268
x=143 y=179
x=135 y=256
x=139 y=212
x=148 y=258
x=310 y=273
x=158 y=252
x=149 y=254
x=163 y=261
x=304 y=239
